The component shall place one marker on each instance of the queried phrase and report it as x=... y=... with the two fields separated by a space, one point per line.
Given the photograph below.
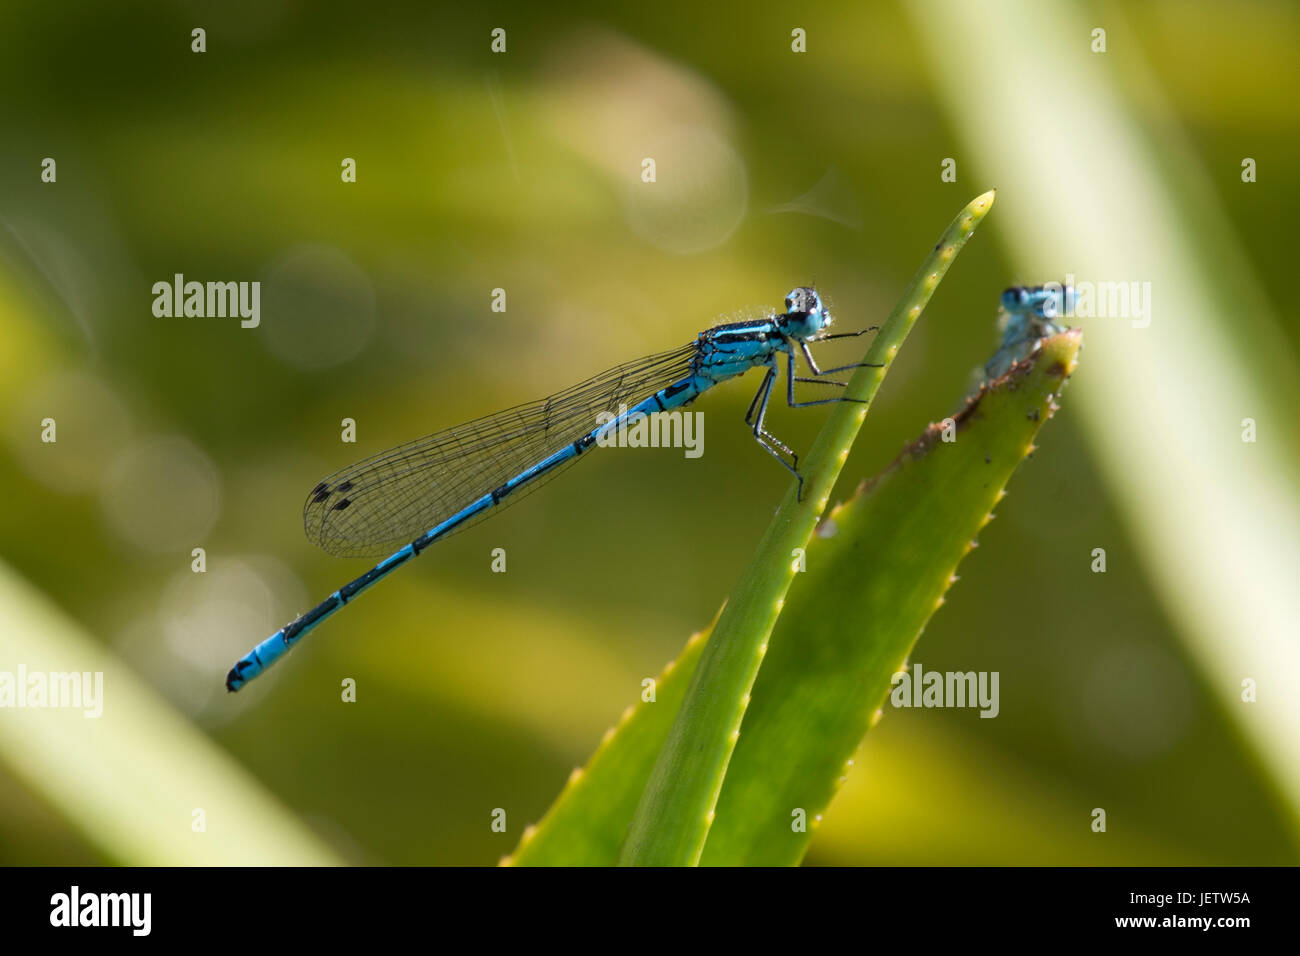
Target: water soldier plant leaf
x=876 y=572
x=703 y=733
x=676 y=810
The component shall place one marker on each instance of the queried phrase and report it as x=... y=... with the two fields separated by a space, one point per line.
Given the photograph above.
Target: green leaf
x=852 y=618
x=590 y=817
x=588 y=822
x=876 y=573
x=676 y=810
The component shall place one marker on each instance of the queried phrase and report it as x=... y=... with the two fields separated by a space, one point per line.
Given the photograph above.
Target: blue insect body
x=1044 y=301
x=1030 y=312
x=403 y=500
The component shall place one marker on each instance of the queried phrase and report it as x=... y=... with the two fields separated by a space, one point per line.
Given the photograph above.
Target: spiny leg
x=770 y=442
x=791 y=379
x=812 y=363
x=822 y=381
x=847 y=335
x=761 y=399
x=749 y=414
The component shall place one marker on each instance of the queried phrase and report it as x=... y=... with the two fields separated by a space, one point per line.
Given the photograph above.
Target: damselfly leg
x=771 y=443
x=757 y=412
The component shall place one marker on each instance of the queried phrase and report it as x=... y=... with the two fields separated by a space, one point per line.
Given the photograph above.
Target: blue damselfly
x=403 y=500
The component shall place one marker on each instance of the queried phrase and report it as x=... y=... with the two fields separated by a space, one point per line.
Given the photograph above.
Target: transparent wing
x=383 y=502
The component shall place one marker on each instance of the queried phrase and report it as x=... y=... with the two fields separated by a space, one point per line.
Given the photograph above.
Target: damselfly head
x=805 y=315
x=1015 y=299
x=1044 y=301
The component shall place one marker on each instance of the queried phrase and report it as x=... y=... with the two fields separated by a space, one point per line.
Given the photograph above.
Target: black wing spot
x=346 y=486
x=342 y=504
x=321 y=493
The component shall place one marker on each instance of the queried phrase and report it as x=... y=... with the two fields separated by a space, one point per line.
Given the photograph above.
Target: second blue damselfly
x=401 y=501
x=1028 y=315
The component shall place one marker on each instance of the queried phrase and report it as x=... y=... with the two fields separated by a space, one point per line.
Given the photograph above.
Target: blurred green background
x=521 y=171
